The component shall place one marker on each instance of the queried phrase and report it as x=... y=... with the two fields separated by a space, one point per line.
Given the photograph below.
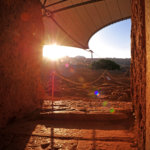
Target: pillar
x=147 y=24
x=20 y=57
x=138 y=70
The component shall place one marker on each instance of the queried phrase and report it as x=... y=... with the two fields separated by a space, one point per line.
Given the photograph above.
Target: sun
x=53 y=52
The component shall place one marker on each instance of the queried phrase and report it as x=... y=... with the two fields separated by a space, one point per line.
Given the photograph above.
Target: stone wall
x=21 y=30
x=147 y=21
x=138 y=69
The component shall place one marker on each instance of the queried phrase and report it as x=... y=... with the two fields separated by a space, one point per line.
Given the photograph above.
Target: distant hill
x=123 y=62
x=82 y=61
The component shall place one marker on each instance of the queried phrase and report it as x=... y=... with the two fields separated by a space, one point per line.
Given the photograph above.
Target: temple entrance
x=22 y=38
x=79 y=96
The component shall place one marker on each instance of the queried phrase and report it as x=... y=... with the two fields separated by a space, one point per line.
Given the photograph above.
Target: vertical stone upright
x=21 y=34
x=138 y=69
x=147 y=23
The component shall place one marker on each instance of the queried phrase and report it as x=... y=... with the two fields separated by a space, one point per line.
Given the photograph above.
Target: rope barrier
x=89 y=83
x=115 y=79
x=103 y=75
x=77 y=83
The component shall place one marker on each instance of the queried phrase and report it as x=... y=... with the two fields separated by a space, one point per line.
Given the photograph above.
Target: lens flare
x=67 y=65
x=105 y=103
x=112 y=110
x=96 y=93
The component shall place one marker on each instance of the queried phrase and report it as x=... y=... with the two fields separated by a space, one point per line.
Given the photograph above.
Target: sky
x=112 y=41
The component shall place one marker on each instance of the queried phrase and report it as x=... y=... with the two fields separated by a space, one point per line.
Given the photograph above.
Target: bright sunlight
x=55 y=52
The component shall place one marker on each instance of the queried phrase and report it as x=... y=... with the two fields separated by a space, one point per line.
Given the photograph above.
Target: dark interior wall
x=138 y=69
x=21 y=34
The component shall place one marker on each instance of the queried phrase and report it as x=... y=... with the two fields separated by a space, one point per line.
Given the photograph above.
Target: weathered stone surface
x=147 y=21
x=20 y=55
x=61 y=135
x=138 y=69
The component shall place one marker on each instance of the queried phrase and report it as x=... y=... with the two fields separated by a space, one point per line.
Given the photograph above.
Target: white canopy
x=73 y=22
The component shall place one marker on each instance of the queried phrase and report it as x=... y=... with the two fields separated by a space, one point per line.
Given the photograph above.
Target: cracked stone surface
x=41 y=131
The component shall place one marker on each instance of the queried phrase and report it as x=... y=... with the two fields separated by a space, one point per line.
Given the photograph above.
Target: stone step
x=62 y=115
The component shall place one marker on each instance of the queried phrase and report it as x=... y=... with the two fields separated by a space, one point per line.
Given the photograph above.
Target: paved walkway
x=92 y=124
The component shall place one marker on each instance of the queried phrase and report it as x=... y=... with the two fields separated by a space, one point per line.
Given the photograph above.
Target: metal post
x=89 y=50
x=92 y=55
x=53 y=77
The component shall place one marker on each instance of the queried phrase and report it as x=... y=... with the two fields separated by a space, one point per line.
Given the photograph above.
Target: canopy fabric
x=73 y=22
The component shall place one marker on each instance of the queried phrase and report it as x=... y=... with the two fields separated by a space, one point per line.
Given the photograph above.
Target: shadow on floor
x=48 y=131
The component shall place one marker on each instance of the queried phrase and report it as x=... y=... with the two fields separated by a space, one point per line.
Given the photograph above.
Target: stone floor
x=92 y=124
